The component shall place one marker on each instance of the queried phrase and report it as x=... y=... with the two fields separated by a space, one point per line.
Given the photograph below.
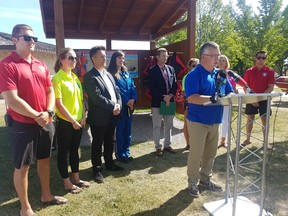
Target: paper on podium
x=170 y=110
x=246 y=98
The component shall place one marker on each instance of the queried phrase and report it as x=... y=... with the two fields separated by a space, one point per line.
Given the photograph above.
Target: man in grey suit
x=104 y=104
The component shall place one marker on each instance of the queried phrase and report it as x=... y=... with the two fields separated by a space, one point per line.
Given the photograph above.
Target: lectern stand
x=235 y=203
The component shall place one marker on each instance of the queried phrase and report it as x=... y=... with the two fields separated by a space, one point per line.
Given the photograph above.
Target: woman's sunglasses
x=28 y=38
x=71 y=58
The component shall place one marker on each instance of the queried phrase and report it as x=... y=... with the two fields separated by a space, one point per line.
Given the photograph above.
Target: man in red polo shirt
x=27 y=89
x=261 y=79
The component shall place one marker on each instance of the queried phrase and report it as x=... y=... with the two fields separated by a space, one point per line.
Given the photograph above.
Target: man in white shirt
x=104 y=104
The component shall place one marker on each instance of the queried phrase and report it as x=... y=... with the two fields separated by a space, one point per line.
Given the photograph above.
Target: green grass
x=148 y=186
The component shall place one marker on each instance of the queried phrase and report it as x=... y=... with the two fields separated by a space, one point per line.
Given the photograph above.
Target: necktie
x=165 y=76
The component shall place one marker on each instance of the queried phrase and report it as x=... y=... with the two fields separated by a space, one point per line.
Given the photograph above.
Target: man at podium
x=201 y=86
x=260 y=79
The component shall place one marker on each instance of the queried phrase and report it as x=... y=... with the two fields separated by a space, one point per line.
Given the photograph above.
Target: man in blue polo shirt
x=203 y=121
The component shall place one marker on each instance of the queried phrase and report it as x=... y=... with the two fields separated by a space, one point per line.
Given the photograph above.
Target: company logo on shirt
x=265 y=74
x=41 y=68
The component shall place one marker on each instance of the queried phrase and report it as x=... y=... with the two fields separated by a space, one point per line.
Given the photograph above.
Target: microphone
x=239 y=80
x=221 y=80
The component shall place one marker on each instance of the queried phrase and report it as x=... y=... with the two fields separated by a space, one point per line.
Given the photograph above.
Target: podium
x=235 y=203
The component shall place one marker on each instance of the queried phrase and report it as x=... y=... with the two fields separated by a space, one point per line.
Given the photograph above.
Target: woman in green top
x=71 y=118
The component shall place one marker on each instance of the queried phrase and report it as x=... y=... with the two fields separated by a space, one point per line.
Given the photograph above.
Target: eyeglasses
x=28 y=38
x=212 y=56
x=71 y=58
x=261 y=57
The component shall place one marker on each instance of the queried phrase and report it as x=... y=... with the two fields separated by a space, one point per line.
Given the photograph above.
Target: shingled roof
x=6 y=43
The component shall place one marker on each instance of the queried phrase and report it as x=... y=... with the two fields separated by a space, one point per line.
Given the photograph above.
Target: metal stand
x=244 y=168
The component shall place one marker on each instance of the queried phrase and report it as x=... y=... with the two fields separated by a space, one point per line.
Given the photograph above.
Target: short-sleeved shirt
x=183 y=80
x=69 y=90
x=29 y=79
x=203 y=82
x=257 y=80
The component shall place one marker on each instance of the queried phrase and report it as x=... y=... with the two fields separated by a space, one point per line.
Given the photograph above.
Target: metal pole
x=236 y=163
x=227 y=193
x=266 y=133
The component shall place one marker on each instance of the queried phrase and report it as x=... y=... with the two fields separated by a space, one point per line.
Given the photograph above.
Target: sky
x=14 y=12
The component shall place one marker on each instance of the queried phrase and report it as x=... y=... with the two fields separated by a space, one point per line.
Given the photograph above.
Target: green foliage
x=240 y=31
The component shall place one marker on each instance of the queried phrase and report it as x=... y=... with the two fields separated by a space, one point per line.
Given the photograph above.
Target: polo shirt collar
x=17 y=58
x=65 y=75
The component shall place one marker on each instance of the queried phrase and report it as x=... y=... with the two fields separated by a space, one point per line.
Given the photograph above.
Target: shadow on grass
x=276 y=175
x=155 y=164
x=173 y=206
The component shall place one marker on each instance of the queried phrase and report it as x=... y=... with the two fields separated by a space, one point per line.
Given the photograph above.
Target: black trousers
x=68 y=140
x=102 y=135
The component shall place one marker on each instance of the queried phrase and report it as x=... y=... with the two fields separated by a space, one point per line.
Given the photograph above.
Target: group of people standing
x=110 y=94
x=31 y=97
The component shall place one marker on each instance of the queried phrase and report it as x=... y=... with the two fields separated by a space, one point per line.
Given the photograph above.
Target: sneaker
x=193 y=190
x=159 y=152
x=170 y=150
x=98 y=177
x=210 y=185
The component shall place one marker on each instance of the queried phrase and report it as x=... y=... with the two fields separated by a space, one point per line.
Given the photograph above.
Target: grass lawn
x=148 y=185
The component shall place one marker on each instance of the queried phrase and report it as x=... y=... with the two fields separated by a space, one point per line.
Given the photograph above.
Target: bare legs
x=21 y=186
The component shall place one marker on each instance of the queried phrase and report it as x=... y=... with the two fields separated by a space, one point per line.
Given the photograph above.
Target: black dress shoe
x=114 y=168
x=130 y=158
x=98 y=177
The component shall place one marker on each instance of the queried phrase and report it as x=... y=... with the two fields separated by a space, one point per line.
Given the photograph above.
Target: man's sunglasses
x=28 y=38
x=71 y=58
x=263 y=57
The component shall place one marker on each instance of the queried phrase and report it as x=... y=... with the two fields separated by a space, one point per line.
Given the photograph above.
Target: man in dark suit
x=104 y=104
x=162 y=85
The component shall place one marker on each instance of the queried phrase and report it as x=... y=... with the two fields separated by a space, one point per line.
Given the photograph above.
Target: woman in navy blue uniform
x=128 y=95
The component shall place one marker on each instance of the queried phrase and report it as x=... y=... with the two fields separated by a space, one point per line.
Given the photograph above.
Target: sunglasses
x=212 y=56
x=28 y=38
x=71 y=58
x=263 y=57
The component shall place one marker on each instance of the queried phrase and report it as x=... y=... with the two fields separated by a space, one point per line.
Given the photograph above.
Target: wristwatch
x=50 y=112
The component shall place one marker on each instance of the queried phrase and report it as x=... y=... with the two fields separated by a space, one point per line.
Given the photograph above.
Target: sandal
x=82 y=184
x=57 y=200
x=222 y=144
x=245 y=143
x=74 y=189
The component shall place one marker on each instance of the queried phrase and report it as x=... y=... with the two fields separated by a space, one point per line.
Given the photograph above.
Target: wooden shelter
x=139 y=20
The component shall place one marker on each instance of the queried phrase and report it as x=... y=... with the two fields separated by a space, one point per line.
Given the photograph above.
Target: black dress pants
x=102 y=135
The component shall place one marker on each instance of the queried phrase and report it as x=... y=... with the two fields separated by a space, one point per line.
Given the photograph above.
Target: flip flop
x=74 y=189
x=245 y=143
x=56 y=201
x=82 y=184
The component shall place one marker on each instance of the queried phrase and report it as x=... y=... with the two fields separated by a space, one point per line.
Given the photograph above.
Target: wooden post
x=108 y=44
x=59 y=25
x=191 y=29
